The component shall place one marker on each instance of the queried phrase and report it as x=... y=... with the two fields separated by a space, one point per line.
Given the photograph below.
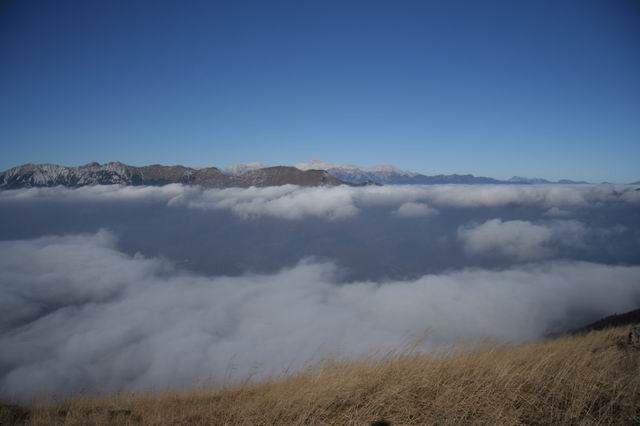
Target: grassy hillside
x=592 y=378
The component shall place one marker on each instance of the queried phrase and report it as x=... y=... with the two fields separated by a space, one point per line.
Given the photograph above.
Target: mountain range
x=391 y=175
x=313 y=173
x=43 y=175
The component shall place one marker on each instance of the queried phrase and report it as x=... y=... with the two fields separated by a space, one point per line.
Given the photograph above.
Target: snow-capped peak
x=316 y=164
x=389 y=169
x=238 y=169
x=324 y=165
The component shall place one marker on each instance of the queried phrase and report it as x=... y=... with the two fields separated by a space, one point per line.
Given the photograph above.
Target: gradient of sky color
x=494 y=88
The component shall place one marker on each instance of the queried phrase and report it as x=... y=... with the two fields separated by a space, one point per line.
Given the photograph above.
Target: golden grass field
x=588 y=379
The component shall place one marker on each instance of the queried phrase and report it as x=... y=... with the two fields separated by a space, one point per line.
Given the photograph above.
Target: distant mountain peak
x=387 y=174
x=520 y=179
x=239 y=169
x=386 y=168
x=317 y=164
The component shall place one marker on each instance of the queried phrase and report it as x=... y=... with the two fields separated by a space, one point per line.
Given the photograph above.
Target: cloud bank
x=521 y=239
x=80 y=315
x=294 y=203
x=413 y=209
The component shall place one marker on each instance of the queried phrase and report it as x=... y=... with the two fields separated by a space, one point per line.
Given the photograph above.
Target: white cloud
x=413 y=209
x=515 y=238
x=78 y=315
x=285 y=202
x=570 y=233
x=520 y=239
x=99 y=193
x=293 y=203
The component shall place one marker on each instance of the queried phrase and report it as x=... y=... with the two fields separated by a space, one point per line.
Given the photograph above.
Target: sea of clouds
x=291 y=202
x=113 y=288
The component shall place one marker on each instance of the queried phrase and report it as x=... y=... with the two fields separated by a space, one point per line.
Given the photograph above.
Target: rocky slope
x=45 y=175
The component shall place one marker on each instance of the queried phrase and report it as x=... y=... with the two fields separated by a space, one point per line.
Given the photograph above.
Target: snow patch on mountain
x=383 y=173
x=240 y=169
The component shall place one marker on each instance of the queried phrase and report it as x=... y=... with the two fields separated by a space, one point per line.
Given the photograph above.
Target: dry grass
x=587 y=379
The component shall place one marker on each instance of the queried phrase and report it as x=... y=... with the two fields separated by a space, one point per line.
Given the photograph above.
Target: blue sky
x=494 y=88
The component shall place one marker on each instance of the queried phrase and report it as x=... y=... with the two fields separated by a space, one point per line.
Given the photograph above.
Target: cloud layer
x=413 y=209
x=80 y=315
x=220 y=284
x=521 y=239
x=294 y=203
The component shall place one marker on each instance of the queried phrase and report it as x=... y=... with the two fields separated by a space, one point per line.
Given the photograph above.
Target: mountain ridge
x=314 y=173
x=392 y=175
x=114 y=173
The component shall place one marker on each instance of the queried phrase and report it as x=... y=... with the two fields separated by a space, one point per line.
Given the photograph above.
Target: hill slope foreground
x=590 y=378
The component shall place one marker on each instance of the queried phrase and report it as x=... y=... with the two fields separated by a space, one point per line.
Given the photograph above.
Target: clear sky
x=494 y=88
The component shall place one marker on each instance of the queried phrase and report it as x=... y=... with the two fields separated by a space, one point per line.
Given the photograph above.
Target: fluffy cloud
x=293 y=203
x=412 y=209
x=516 y=238
x=106 y=193
x=286 y=202
x=520 y=239
x=79 y=315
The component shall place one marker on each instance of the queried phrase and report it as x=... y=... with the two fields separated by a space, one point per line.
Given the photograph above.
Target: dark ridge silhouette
x=616 y=320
